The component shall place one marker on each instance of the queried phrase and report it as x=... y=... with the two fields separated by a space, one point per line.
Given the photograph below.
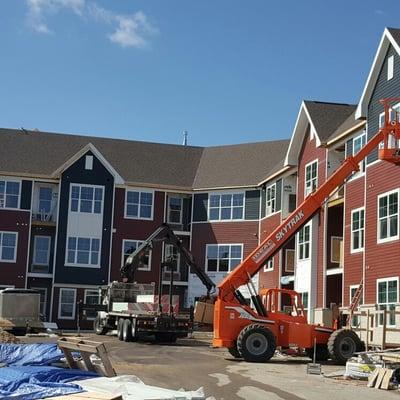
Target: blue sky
x=228 y=71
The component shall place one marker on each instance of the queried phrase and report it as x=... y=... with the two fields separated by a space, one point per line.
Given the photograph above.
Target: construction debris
x=7 y=337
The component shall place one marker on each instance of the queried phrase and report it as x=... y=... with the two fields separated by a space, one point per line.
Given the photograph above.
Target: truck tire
x=127 y=330
x=342 y=344
x=99 y=326
x=120 y=328
x=256 y=343
x=134 y=334
x=321 y=352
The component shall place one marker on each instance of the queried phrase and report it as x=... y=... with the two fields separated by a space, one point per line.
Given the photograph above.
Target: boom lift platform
x=255 y=334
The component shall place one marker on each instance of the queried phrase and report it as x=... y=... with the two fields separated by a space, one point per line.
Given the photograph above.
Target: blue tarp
x=29 y=354
x=38 y=382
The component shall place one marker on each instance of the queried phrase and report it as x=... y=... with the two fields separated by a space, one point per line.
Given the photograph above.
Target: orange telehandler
x=254 y=333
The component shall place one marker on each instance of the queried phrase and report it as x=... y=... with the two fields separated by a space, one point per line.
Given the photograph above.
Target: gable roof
x=45 y=155
x=324 y=119
x=349 y=125
x=390 y=36
x=239 y=165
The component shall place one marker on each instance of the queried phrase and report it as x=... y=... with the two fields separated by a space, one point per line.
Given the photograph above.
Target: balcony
x=45 y=202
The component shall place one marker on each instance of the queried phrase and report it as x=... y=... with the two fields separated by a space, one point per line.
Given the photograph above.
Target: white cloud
x=130 y=30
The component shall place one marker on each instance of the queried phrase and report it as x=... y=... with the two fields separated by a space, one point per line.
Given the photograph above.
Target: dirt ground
x=192 y=363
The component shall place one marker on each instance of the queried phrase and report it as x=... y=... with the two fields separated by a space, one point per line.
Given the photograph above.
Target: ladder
x=354 y=302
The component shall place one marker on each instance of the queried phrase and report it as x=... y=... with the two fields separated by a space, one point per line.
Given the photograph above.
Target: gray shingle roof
x=40 y=154
x=239 y=165
x=327 y=117
x=395 y=33
x=349 y=123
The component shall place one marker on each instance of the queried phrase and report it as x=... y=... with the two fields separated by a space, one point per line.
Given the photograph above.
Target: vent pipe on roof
x=185 y=138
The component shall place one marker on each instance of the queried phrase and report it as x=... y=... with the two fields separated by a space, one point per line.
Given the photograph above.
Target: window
x=223 y=257
x=311 y=177
x=271 y=199
x=387 y=298
x=86 y=199
x=289 y=260
x=41 y=252
x=67 y=303
x=304 y=243
x=129 y=246
x=269 y=265
x=83 y=251
x=43 y=299
x=139 y=205
x=388 y=214
x=226 y=206
x=336 y=250
x=358 y=144
x=8 y=246
x=175 y=210
x=390 y=68
x=357 y=230
x=172 y=255
x=89 y=162
x=304 y=300
x=355 y=320
x=92 y=297
x=9 y=194
x=45 y=198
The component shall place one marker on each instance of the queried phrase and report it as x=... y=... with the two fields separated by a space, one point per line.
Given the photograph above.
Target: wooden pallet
x=87 y=396
x=86 y=348
x=380 y=378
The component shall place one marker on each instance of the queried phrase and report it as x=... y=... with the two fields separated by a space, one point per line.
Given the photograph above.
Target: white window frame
x=45 y=297
x=81 y=185
x=332 y=239
x=302 y=294
x=48 y=252
x=76 y=264
x=140 y=191
x=220 y=207
x=378 y=230
x=308 y=190
x=387 y=280
x=286 y=258
x=269 y=265
x=390 y=68
x=359 y=249
x=59 y=316
x=138 y=243
x=14 y=260
x=270 y=207
x=222 y=244
x=89 y=162
x=5 y=190
x=363 y=138
x=178 y=259
x=169 y=209
x=85 y=299
x=304 y=243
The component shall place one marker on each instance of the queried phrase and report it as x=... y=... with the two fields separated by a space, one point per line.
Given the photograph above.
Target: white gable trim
x=89 y=147
x=386 y=40
x=296 y=141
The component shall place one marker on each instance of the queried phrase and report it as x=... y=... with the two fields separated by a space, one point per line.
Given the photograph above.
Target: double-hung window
x=387 y=297
x=86 y=199
x=358 y=144
x=41 y=253
x=271 y=199
x=223 y=257
x=172 y=256
x=8 y=246
x=83 y=252
x=388 y=216
x=311 y=180
x=130 y=246
x=227 y=206
x=138 y=204
x=303 y=242
x=67 y=303
x=175 y=210
x=357 y=230
x=92 y=297
x=9 y=194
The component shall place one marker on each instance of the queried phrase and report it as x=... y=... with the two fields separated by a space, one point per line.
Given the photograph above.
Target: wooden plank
x=102 y=353
x=381 y=374
x=372 y=378
x=88 y=363
x=70 y=360
x=386 y=379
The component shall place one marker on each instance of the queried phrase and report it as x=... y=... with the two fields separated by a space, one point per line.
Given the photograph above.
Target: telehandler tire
x=234 y=352
x=342 y=344
x=127 y=330
x=98 y=327
x=256 y=343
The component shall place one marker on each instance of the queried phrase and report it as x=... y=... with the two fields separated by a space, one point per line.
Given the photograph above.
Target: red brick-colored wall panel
x=15 y=221
x=135 y=229
x=381 y=260
x=353 y=262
